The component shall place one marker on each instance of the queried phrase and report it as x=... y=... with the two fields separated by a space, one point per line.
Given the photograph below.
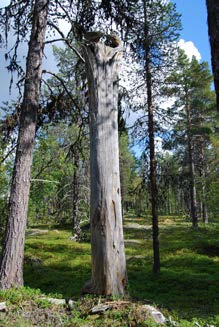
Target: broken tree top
x=112 y=39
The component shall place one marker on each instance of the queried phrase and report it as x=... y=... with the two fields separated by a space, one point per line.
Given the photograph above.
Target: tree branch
x=56 y=40
x=43 y=168
x=67 y=15
x=9 y=152
x=67 y=41
x=43 y=180
x=64 y=86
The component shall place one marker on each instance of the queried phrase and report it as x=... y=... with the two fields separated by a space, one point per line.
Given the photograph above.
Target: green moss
x=189 y=280
x=186 y=289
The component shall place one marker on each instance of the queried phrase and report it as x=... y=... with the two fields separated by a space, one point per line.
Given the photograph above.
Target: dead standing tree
x=107 y=242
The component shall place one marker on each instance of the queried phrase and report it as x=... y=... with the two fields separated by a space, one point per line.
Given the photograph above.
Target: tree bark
x=75 y=189
x=213 y=31
x=153 y=181
x=204 y=210
x=193 y=197
x=107 y=242
x=11 y=270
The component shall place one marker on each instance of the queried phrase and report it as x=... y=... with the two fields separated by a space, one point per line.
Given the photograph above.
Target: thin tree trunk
x=193 y=200
x=204 y=212
x=11 y=270
x=213 y=31
x=153 y=182
x=107 y=243
x=75 y=189
x=169 y=204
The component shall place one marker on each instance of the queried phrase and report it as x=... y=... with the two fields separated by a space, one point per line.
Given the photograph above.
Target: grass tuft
x=186 y=291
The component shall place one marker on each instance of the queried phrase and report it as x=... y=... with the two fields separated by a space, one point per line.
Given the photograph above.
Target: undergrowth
x=186 y=291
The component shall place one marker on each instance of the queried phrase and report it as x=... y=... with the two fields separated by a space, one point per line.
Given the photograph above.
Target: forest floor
x=186 y=291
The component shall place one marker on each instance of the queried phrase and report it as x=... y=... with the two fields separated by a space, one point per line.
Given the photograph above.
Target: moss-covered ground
x=186 y=291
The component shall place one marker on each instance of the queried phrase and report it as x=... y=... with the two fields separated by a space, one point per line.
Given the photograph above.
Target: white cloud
x=4 y=3
x=190 y=49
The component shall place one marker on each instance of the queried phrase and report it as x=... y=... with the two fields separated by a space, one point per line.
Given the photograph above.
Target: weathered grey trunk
x=107 y=243
x=213 y=31
x=11 y=270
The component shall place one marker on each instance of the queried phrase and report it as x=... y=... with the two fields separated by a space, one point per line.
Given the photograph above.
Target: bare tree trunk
x=213 y=31
x=169 y=204
x=204 y=212
x=193 y=199
x=11 y=270
x=153 y=181
x=107 y=243
x=75 y=189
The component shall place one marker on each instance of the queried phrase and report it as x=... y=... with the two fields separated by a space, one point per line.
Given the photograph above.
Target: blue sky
x=194 y=23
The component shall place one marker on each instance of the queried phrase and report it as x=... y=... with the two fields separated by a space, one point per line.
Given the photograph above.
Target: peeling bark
x=107 y=242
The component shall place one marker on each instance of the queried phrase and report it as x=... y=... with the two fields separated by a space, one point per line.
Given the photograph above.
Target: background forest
x=168 y=156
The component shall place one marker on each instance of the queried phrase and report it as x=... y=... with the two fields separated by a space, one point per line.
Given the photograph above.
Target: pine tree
x=153 y=43
x=191 y=84
x=11 y=271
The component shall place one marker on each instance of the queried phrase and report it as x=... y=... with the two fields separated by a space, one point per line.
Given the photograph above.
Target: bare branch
x=56 y=40
x=43 y=180
x=47 y=84
x=67 y=15
x=64 y=86
x=67 y=41
x=9 y=152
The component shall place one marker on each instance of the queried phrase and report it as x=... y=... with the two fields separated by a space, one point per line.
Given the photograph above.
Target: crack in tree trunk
x=107 y=242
